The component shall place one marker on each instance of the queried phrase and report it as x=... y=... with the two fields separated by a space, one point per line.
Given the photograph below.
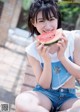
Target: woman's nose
x=48 y=25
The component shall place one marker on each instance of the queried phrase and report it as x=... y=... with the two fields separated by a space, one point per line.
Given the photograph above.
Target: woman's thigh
x=71 y=103
x=31 y=98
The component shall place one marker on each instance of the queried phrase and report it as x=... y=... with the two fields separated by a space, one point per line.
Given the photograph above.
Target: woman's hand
x=62 y=44
x=43 y=51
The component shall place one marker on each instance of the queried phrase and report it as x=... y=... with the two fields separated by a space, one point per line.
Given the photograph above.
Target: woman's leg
x=32 y=101
x=71 y=105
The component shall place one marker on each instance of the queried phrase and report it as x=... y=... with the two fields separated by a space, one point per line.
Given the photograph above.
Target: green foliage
x=26 y=4
x=69 y=11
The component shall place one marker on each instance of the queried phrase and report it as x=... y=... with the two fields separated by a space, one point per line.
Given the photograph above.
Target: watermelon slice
x=50 y=37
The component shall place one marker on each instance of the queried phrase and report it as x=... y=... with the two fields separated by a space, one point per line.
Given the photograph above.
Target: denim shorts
x=57 y=97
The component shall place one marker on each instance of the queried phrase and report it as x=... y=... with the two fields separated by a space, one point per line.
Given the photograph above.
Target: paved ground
x=12 y=70
x=13 y=67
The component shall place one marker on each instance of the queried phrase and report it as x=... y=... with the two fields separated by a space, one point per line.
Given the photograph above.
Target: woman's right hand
x=43 y=51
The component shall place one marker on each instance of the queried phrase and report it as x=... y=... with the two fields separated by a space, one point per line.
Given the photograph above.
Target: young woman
x=55 y=67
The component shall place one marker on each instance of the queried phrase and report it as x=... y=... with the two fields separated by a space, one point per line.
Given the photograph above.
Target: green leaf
x=26 y=4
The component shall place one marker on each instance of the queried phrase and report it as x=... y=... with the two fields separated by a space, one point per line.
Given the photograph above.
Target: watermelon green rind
x=47 y=44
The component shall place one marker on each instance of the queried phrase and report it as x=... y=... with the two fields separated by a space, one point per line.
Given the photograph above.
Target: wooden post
x=7 y=17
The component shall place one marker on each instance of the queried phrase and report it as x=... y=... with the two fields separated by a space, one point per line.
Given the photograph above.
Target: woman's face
x=45 y=25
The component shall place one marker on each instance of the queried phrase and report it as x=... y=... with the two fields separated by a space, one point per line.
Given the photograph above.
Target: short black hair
x=46 y=6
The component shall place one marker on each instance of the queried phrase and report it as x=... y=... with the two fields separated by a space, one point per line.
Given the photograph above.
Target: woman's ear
x=33 y=23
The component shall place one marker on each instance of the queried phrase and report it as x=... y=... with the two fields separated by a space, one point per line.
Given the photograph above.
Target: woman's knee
x=25 y=101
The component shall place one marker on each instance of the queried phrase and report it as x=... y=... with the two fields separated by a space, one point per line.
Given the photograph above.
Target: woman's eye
x=52 y=19
x=41 y=21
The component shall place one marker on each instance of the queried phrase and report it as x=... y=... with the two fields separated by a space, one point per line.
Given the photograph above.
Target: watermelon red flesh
x=50 y=37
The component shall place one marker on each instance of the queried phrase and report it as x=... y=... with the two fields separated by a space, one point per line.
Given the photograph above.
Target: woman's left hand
x=62 y=44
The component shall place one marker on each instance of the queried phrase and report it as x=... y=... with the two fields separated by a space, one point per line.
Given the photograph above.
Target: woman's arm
x=77 y=51
x=43 y=76
x=73 y=68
